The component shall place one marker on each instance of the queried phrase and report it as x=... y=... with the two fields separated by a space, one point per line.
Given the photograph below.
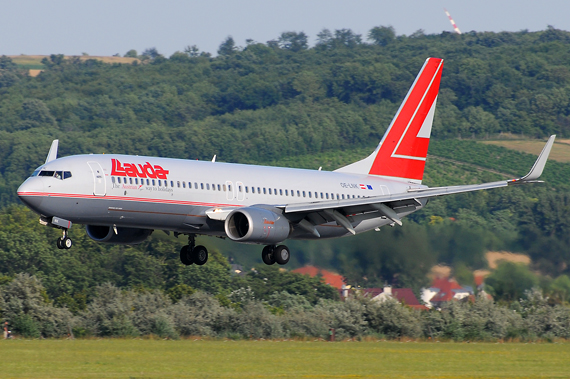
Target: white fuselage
x=174 y=194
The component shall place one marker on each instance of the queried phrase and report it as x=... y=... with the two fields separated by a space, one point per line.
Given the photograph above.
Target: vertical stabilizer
x=52 y=155
x=403 y=150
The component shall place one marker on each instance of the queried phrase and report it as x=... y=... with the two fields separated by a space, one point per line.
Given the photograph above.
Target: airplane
x=122 y=199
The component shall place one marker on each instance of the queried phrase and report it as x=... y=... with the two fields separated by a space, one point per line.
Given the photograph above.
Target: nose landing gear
x=64 y=242
x=190 y=254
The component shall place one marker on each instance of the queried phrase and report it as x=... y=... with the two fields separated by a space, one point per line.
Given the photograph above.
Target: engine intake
x=125 y=236
x=257 y=225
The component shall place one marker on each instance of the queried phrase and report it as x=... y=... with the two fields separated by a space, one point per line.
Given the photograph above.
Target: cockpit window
x=56 y=174
x=36 y=172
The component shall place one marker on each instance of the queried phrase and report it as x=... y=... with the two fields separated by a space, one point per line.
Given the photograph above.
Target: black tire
x=185 y=257
x=66 y=243
x=200 y=255
x=59 y=243
x=281 y=254
x=267 y=255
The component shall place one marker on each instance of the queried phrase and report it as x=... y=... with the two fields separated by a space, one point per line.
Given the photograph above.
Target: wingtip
x=536 y=170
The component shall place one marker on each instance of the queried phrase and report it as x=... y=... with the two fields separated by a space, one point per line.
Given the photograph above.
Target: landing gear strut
x=190 y=254
x=64 y=242
x=275 y=254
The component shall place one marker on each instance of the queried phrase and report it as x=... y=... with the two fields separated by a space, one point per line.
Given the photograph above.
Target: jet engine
x=125 y=236
x=257 y=225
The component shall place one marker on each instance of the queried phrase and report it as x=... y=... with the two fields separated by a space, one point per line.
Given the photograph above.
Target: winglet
x=52 y=155
x=538 y=166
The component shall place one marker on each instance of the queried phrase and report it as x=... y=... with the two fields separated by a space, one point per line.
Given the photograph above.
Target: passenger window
x=275 y=191
x=130 y=180
x=264 y=192
x=286 y=192
x=337 y=197
x=298 y=193
x=343 y=196
x=322 y=197
x=230 y=187
x=160 y=183
x=113 y=179
x=258 y=190
x=310 y=194
x=153 y=183
x=292 y=193
x=219 y=188
x=208 y=186
x=136 y=180
x=303 y=193
x=246 y=189
x=327 y=195
x=225 y=188
x=202 y=185
x=270 y=191
x=239 y=188
x=119 y=180
x=280 y=192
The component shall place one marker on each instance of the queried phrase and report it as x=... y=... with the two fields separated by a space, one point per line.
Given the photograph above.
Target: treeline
x=266 y=101
x=277 y=101
x=128 y=313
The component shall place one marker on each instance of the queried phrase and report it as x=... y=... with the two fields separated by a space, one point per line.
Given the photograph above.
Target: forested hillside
x=283 y=102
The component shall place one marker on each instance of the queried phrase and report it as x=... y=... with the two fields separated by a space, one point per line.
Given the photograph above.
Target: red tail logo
x=403 y=150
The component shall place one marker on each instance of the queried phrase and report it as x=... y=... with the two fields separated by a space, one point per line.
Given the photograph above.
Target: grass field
x=560 y=151
x=271 y=359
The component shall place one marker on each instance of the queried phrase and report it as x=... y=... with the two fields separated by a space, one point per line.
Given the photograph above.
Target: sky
x=108 y=27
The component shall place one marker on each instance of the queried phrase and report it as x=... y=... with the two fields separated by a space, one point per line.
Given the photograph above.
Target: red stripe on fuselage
x=125 y=198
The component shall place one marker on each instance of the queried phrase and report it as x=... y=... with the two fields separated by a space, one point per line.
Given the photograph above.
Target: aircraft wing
x=390 y=204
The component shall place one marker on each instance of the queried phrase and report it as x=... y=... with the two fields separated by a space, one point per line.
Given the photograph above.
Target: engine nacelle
x=257 y=225
x=124 y=236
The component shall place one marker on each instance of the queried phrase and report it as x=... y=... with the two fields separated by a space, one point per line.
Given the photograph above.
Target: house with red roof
x=403 y=295
x=443 y=290
x=332 y=279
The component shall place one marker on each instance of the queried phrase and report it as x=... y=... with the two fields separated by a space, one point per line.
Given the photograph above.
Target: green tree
x=227 y=47
x=510 y=281
x=382 y=35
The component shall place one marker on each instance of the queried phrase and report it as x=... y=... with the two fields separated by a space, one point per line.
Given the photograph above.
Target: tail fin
x=403 y=150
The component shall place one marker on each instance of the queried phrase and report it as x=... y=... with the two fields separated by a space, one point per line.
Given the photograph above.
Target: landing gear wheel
x=267 y=255
x=185 y=257
x=64 y=243
x=281 y=254
x=200 y=255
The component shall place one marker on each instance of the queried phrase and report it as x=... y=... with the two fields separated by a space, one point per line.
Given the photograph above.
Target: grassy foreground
x=271 y=359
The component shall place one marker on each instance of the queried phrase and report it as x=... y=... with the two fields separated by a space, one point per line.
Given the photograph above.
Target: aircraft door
x=240 y=190
x=229 y=190
x=99 y=188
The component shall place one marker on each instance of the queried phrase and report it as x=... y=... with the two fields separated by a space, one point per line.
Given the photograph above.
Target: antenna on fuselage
x=52 y=155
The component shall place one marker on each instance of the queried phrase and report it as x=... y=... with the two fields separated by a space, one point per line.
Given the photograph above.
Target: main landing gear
x=275 y=254
x=64 y=242
x=190 y=254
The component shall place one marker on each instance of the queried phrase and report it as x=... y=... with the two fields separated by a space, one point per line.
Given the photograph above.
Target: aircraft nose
x=31 y=193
